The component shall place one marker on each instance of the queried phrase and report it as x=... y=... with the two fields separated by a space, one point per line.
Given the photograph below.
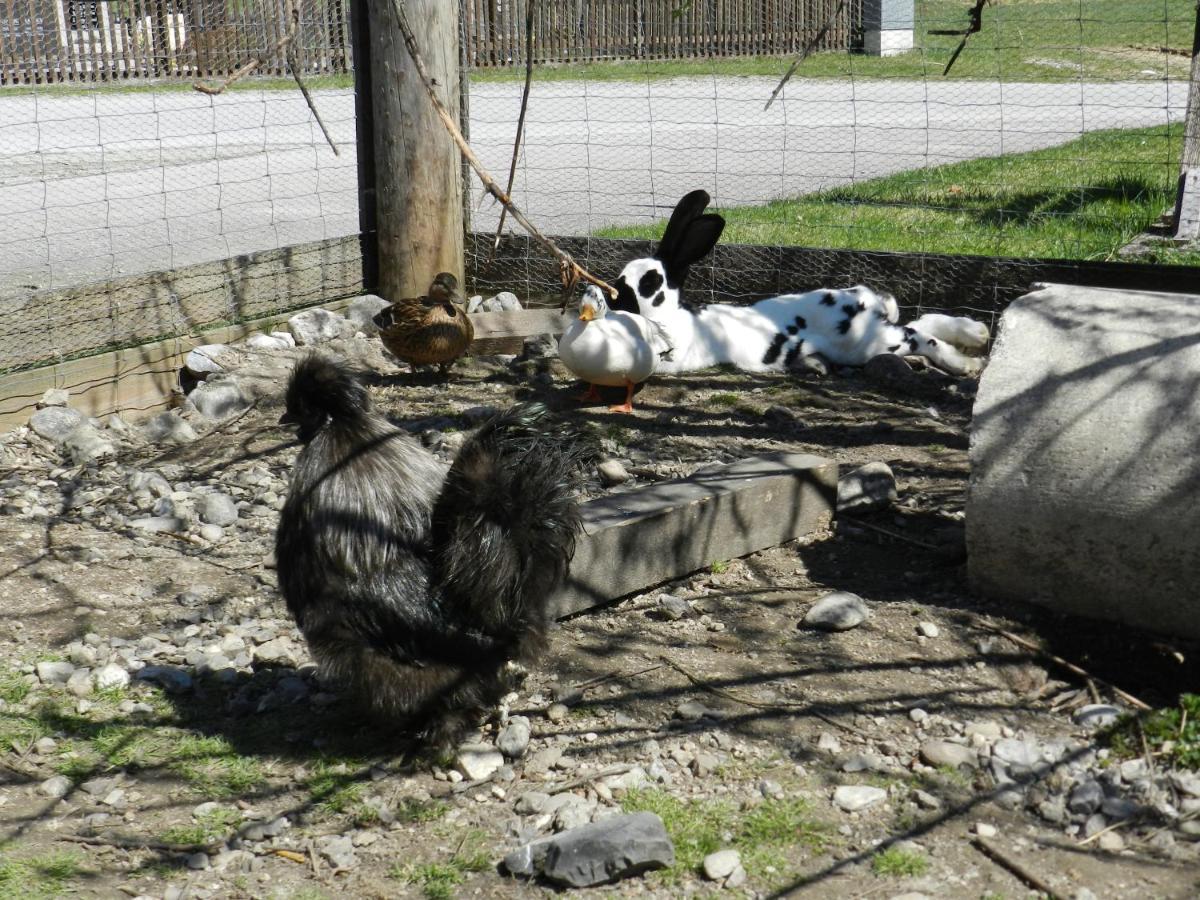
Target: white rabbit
x=847 y=327
x=611 y=348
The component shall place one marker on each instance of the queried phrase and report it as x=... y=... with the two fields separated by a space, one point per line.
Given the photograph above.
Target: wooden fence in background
x=595 y=30
x=50 y=41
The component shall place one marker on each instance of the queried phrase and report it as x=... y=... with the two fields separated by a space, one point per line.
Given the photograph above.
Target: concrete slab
x=639 y=538
x=1084 y=463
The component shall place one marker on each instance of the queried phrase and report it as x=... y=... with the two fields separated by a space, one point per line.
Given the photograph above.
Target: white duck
x=609 y=347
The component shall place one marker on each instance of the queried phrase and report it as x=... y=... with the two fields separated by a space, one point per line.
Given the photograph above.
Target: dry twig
x=246 y=68
x=755 y=704
x=489 y=183
x=808 y=48
x=287 y=43
x=973 y=26
x=587 y=779
x=1069 y=666
x=889 y=532
x=512 y=168
x=1034 y=881
x=125 y=843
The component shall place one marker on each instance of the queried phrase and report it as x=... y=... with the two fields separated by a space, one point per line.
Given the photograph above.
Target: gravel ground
x=163 y=733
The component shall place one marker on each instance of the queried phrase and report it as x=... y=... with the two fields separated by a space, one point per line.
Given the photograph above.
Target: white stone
x=838 y=611
x=477 y=764
x=202 y=360
x=721 y=864
x=317 y=326
x=984 y=830
x=856 y=797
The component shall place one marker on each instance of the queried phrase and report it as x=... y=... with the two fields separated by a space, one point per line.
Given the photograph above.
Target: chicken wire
x=1076 y=109
x=113 y=167
x=203 y=208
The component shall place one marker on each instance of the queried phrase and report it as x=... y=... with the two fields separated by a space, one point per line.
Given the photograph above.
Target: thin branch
x=564 y=258
x=587 y=779
x=1034 y=881
x=125 y=843
x=1069 y=666
x=808 y=48
x=245 y=69
x=291 y=61
x=889 y=532
x=973 y=27
x=512 y=169
x=755 y=704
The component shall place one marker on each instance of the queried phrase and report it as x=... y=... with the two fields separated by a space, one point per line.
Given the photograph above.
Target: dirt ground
x=752 y=720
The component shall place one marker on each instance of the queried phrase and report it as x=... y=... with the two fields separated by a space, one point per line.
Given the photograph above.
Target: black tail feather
x=504 y=525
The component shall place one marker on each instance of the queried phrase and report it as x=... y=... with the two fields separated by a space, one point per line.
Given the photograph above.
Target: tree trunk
x=418 y=176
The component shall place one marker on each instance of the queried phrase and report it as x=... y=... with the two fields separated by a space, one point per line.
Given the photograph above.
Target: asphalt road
x=117 y=183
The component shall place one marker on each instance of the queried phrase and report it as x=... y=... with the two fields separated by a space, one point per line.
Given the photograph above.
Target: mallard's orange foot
x=591 y=396
x=623 y=407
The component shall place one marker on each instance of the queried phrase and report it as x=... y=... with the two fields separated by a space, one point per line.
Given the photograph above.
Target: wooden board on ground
x=138 y=379
x=640 y=538
x=505 y=332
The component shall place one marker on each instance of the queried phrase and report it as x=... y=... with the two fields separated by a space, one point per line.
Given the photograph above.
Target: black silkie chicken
x=416 y=586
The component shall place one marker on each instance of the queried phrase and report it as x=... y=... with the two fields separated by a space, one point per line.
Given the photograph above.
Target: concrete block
x=1187 y=206
x=1084 y=468
x=644 y=537
x=888 y=43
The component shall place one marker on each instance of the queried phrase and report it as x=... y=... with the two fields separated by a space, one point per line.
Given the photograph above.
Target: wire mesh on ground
x=1056 y=136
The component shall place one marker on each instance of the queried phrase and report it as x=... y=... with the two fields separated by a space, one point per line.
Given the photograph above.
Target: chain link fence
x=152 y=209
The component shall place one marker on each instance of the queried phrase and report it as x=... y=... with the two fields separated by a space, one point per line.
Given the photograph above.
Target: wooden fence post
x=1187 y=205
x=418 y=177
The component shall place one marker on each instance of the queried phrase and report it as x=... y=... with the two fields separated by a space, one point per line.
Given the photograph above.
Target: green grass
x=335 y=787
x=1173 y=732
x=37 y=877
x=729 y=400
x=1082 y=200
x=899 y=863
x=13 y=687
x=210 y=827
x=767 y=835
x=438 y=879
x=719 y=567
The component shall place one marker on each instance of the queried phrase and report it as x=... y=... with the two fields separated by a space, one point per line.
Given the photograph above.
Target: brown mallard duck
x=433 y=330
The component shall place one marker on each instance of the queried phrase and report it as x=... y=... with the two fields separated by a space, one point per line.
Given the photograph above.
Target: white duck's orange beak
x=587 y=312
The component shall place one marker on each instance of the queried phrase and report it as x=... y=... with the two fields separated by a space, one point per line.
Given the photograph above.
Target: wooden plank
x=140 y=308
x=137 y=380
x=505 y=332
x=634 y=540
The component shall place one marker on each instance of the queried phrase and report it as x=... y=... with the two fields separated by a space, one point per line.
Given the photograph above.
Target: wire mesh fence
x=1056 y=135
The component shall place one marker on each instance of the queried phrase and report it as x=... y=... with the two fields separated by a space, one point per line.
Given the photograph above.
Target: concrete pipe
x=1085 y=477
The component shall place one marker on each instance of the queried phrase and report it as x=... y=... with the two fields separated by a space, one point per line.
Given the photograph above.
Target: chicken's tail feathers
x=321 y=384
x=505 y=523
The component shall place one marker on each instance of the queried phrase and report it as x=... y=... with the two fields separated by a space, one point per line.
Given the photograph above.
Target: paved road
x=92 y=186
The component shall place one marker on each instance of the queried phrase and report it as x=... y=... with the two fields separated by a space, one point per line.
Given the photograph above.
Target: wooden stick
x=586 y=779
x=1113 y=827
x=564 y=259
x=290 y=56
x=530 y=5
x=139 y=843
x=1035 y=882
x=1069 y=666
x=808 y=48
x=889 y=532
x=755 y=704
x=245 y=69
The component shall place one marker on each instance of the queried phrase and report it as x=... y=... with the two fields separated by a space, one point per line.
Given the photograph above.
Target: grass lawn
x=1021 y=40
x=1081 y=200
